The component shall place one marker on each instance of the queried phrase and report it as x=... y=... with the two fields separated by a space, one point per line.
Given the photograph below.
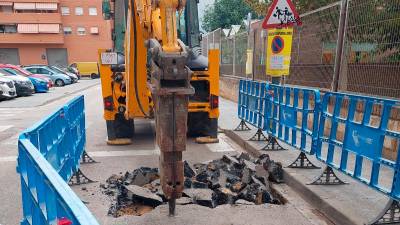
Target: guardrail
x=297 y=117
x=49 y=155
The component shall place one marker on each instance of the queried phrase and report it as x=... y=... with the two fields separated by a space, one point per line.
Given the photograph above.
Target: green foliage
x=225 y=13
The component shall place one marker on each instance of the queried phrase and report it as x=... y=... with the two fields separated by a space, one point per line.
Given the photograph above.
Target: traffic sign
x=277 y=44
x=279 y=51
x=282 y=13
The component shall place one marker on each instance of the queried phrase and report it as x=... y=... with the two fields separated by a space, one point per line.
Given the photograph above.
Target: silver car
x=7 y=89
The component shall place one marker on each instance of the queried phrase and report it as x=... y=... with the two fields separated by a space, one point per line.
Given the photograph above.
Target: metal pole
x=340 y=45
x=234 y=56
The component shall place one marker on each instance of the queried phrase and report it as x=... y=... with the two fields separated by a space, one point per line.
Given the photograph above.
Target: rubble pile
x=239 y=179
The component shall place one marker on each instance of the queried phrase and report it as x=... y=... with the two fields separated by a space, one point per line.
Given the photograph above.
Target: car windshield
x=24 y=71
x=5 y=72
x=57 y=69
x=14 y=71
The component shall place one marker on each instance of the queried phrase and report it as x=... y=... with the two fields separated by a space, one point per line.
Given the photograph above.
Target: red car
x=26 y=73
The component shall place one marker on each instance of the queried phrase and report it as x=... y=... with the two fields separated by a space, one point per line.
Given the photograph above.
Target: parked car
x=40 y=85
x=70 y=69
x=58 y=78
x=87 y=69
x=23 y=85
x=7 y=89
x=26 y=73
x=71 y=75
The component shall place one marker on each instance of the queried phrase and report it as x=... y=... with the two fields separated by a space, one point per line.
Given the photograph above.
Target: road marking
x=8 y=159
x=124 y=153
x=224 y=145
x=4 y=128
x=102 y=154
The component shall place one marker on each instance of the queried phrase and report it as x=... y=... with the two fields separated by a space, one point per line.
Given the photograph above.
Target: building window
x=79 y=11
x=67 y=30
x=92 y=11
x=81 y=31
x=94 y=30
x=6 y=8
x=8 y=28
x=65 y=11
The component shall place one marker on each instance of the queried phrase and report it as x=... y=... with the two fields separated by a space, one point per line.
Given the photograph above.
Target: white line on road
x=125 y=153
x=102 y=154
x=4 y=128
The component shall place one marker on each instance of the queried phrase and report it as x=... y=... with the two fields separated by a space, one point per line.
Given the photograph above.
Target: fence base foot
x=86 y=159
x=389 y=215
x=273 y=145
x=302 y=162
x=79 y=178
x=242 y=126
x=328 y=177
x=259 y=136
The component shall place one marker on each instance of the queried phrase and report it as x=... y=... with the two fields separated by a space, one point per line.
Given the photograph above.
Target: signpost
x=279 y=22
x=278 y=51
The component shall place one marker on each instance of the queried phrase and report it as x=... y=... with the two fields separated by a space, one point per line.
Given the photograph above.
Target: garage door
x=9 y=55
x=57 y=56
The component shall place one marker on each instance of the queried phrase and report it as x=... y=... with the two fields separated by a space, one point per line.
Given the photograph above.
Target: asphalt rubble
x=236 y=180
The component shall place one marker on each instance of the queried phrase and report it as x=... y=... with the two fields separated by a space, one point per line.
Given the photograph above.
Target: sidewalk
x=354 y=203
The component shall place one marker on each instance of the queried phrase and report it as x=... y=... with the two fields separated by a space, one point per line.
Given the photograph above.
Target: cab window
x=181 y=24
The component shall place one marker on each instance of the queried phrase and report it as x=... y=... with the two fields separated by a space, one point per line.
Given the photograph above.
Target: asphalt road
x=22 y=113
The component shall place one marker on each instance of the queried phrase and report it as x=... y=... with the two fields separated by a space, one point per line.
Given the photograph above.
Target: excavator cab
x=204 y=104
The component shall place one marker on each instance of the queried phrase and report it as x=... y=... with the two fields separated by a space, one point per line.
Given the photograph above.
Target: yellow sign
x=279 y=49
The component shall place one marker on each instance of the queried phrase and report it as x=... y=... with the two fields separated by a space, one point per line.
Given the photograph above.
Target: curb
x=331 y=212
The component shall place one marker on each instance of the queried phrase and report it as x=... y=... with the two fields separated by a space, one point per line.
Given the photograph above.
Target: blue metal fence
x=251 y=100
x=48 y=155
x=298 y=117
x=359 y=151
x=287 y=113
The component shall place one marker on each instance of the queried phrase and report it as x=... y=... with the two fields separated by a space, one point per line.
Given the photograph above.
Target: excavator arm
x=151 y=39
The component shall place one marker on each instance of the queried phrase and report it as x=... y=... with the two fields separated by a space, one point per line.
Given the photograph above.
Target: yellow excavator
x=156 y=71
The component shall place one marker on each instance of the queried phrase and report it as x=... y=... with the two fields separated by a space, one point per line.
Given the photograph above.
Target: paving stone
x=184 y=201
x=243 y=202
x=139 y=194
x=187 y=170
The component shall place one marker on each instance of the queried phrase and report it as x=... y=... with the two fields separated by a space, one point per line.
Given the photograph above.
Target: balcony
x=15 y=18
x=16 y=38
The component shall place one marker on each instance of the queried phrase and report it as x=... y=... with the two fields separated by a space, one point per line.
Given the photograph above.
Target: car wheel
x=93 y=76
x=59 y=83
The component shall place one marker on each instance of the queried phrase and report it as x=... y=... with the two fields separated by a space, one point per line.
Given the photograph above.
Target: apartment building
x=52 y=31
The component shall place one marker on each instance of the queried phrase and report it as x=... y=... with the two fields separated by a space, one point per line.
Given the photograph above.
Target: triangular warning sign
x=282 y=13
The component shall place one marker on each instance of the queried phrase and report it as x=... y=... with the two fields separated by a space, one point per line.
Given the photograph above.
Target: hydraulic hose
x=135 y=58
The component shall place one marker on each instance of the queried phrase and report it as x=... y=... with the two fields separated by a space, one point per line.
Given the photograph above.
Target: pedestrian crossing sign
x=279 y=49
x=282 y=13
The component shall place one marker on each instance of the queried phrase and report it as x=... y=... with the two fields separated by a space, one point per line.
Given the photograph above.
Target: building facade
x=52 y=31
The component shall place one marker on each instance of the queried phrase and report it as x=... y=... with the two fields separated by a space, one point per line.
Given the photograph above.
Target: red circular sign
x=277 y=45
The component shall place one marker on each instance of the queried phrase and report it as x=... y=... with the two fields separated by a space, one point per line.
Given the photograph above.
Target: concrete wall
x=229 y=89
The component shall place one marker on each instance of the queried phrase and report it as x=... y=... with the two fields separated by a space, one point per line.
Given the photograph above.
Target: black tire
x=93 y=76
x=59 y=83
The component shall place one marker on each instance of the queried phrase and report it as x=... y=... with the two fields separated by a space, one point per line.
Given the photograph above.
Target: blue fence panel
x=292 y=115
x=46 y=197
x=49 y=154
x=358 y=151
x=251 y=95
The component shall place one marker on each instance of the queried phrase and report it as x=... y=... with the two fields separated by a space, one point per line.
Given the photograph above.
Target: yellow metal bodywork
x=134 y=39
x=107 y=87
x=149 y=25
x=212 y=76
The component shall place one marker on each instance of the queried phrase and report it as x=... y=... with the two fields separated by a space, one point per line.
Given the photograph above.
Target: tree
x=225 y=13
